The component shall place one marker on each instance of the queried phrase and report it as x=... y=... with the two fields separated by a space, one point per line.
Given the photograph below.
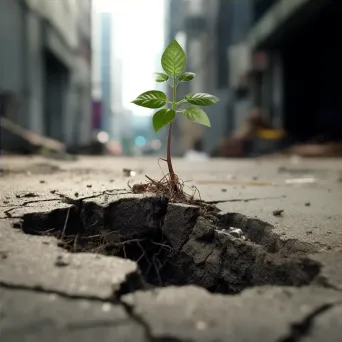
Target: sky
x=139 y=33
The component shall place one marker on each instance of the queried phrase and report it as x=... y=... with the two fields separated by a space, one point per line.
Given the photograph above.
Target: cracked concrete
x=265 y=314
x=84 y=287
x=37 y=263
x=34 y=316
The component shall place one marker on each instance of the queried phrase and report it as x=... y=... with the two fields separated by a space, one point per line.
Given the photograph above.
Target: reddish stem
x=168 y=156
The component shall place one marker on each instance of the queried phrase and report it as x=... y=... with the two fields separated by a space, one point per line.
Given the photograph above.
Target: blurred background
x=69 y=70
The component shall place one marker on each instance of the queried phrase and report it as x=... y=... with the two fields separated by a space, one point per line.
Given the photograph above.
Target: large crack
x=302 y=329
x=174 y=245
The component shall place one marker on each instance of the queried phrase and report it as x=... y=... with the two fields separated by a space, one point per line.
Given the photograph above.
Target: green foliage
x=173 y=59
x=161 y=77
x=186 y=77
x=173 y=62
x=162 y=118
x=197 y=115
x=201 y=99
x=151 y=99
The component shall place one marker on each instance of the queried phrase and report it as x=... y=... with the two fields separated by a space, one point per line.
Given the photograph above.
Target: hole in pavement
x=174 y=245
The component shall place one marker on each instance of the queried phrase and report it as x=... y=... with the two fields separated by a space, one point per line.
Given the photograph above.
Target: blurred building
x=280 y=55
x=299 y=80
x=195 y=23
x=106 y=71
x=45 y=60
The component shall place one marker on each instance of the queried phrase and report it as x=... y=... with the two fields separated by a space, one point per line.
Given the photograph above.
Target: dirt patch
x=174 y=244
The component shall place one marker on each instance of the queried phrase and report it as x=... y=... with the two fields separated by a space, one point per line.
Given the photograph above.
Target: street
x=82 y=257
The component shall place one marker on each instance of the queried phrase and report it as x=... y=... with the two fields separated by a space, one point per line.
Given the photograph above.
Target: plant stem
x=168 y=156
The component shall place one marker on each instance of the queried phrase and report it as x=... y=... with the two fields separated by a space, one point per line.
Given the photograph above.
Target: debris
x=17 y=225
x=224 y=190
x=42 y=181
x=24 y=140
x=60 y=262
x=277 y=212
x=129 y=172
x=89 y=186
x=237 y=232
x=307 y=204
x=25 y=195
x=3 y=255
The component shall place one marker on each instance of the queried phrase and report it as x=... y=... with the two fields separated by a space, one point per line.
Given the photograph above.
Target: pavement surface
x=287 y=273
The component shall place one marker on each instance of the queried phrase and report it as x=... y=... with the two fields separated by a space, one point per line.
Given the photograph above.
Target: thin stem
x=168 y=157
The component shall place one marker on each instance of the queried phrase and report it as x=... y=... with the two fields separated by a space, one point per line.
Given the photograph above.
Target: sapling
x=173 y=62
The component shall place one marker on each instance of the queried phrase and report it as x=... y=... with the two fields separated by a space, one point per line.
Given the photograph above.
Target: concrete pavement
x=47 y=291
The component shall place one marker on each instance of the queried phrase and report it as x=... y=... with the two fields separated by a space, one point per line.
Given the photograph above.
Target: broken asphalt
x=176 y=275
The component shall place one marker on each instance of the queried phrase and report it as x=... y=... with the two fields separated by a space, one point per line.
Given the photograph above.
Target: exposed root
x=173 y=189
x=152 y=253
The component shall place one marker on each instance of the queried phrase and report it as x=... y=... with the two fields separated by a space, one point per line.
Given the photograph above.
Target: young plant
x=173 y=62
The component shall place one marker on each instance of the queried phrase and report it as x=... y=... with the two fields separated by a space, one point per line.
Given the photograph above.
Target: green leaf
x=173 y=59
x=186 y=77
x=197 y=115
x=151 y=99
x=162 y=118
x=201 y=99
x=161 y=77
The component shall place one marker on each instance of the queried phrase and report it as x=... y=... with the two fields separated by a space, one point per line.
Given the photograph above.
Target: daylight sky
x=139 y=33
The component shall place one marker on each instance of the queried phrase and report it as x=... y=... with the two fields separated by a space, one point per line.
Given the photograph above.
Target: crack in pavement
x=40 y=289
x=139 y=320
x=24 y=204
x=302 y=329
x=114 y=301
x=323 y=281
x=64 y=199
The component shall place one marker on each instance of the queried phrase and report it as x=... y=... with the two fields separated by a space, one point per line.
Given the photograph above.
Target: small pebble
x=89 y=186
x=42 y=181
x=60 y=262
x=224 y=190
x=3 y=255
x=277 y=212
x=236 y=232
x=307 y=204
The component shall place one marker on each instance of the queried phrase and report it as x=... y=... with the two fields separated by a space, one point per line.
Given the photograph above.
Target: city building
x=195 y=24
x=279 y=55
x=299 y=83
x=45 y=60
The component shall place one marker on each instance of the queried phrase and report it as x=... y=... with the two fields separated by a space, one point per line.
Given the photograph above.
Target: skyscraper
x=106 y=71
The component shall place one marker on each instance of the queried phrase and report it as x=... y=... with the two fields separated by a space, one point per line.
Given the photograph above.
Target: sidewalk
x=277 y=277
